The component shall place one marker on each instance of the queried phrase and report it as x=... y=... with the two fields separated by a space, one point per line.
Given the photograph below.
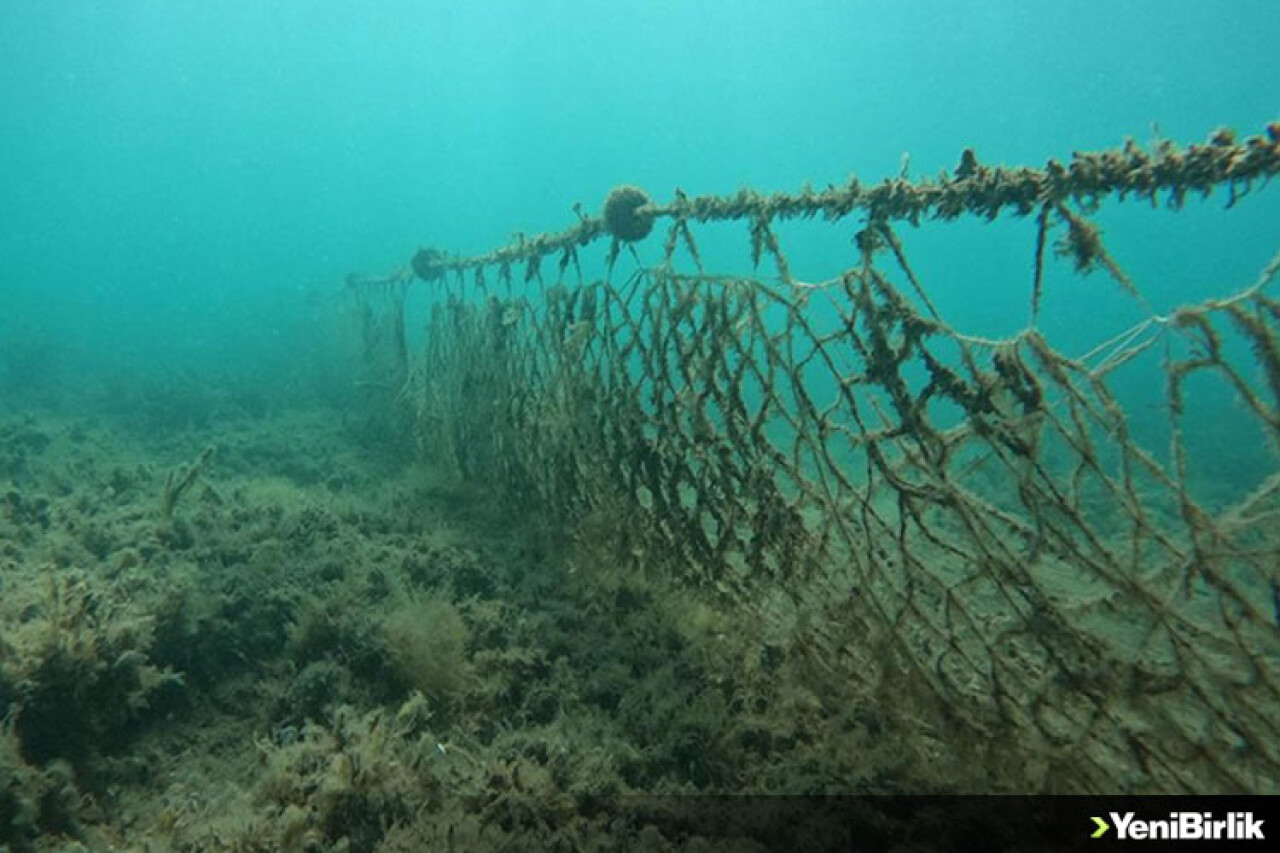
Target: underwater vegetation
x=607 y=533
x=315 y=650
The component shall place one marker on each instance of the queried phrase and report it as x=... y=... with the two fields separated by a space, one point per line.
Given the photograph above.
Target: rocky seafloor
x=322 y=643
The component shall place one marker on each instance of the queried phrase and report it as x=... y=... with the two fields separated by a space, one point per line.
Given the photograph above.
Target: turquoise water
x=238 y=608
x=184 y=185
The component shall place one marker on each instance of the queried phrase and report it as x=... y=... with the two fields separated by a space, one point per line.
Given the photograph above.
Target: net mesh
x=967 y=526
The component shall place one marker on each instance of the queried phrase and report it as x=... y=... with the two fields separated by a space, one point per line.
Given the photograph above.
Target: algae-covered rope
x=1167 y=173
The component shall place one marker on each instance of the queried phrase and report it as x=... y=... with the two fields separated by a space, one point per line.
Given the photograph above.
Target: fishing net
x=968 y=527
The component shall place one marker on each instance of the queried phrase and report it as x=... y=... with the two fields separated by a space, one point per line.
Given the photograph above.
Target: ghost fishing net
x=963 y=524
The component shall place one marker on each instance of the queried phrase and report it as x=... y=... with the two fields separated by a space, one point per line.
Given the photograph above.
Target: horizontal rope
x=973 y=188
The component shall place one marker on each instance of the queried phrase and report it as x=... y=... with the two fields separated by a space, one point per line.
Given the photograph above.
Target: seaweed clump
x=428 y=264
x=625 y=214
x=34 y=800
